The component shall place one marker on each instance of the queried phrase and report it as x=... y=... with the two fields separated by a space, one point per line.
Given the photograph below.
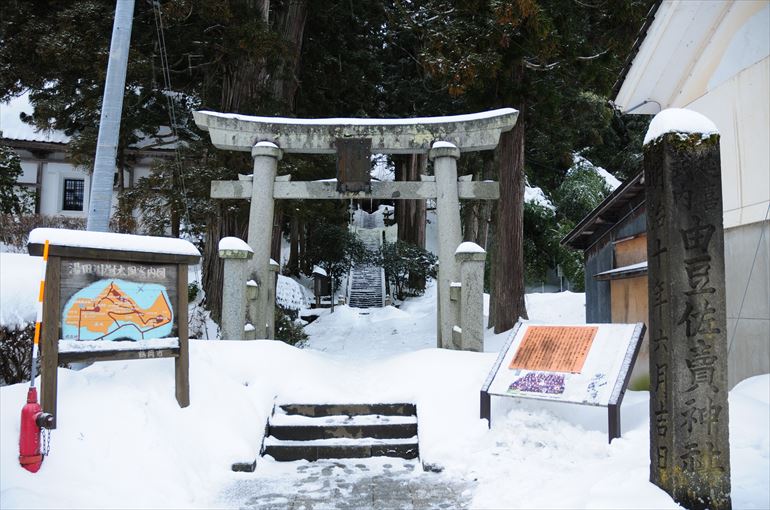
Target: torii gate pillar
x=266 y=156
x=444 y=156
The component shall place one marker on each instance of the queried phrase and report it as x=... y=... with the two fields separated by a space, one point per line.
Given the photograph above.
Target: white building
x=62 y=188
x=713 y=57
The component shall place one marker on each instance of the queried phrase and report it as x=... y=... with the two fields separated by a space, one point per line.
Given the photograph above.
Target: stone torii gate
x=354 y=140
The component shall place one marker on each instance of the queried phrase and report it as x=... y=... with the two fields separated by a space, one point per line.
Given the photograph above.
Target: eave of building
x=626 y=199
x=630 y=271
x=41 y=146
x=680 y=52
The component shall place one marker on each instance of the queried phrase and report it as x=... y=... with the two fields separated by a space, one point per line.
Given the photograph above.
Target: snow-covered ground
x=122 y=441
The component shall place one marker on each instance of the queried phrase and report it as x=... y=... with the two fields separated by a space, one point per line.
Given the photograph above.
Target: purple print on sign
x=539 y=382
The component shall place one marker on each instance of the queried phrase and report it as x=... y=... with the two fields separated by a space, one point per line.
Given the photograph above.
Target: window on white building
x=73 y=194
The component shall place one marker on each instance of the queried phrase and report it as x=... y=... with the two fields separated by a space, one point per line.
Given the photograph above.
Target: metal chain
x=45 y=438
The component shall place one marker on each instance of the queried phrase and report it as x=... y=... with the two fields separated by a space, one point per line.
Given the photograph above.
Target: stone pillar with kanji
x=689 y=447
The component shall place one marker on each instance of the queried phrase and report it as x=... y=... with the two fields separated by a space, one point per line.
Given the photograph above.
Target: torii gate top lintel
x=470 y=132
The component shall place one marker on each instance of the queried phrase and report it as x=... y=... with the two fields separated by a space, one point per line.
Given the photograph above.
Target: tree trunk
x=293 y=262
x=277 y=237
x=290 y=23
x=242 y=81
x=508 y=257
x=225 y=224
x=304 y=265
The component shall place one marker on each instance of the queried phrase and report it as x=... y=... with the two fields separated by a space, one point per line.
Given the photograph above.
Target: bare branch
x=594 y=56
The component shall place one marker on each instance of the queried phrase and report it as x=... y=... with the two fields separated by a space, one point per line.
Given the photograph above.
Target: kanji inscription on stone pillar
x=689 y=448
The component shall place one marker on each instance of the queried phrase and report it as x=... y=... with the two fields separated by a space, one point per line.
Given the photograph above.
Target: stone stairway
x=366 y=286
x=341 y=431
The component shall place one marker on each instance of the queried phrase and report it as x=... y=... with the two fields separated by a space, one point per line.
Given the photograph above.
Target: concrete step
x=305 y=428
x=287 y=451
x=337 y=431
x=316 y=410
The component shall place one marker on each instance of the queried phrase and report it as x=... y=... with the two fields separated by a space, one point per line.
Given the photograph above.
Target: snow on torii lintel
x=112 y=241
x=469 y=132
x=679 y=120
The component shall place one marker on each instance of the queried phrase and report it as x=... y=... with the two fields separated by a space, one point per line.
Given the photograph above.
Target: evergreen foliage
x=581 y=190
x=14 y=199
x=404 y=263
x=288 y=329
x=335 y=249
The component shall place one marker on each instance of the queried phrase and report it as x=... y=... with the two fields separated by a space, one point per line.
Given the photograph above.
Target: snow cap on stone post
x=679 y=120
x=234 y=248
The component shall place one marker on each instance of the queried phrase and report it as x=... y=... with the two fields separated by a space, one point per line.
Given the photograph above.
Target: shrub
x=14 y=230
x=288 y=329
x=405 y=263
x=16 y=353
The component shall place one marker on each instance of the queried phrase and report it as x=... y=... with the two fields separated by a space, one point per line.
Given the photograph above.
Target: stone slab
x=473 y=132
x=319 y=190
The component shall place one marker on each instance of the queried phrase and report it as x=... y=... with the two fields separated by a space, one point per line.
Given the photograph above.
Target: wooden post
x=49 y=346
x=182 y=362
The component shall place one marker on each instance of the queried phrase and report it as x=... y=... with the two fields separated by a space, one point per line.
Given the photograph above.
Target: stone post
x=689 y=449
x=274 y=268
x=236 y=254
x=444 y=156
x=470 y=258
x=266 y=156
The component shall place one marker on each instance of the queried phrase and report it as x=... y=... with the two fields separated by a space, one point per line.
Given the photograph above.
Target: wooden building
x=613 y=239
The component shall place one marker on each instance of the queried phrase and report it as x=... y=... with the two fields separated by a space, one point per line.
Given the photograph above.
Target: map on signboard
x=116 y=309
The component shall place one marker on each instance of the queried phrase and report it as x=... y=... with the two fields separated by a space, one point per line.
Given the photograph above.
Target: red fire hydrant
x=33 y=419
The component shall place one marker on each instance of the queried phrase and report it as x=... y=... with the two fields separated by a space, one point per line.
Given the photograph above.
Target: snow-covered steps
x=312 y=432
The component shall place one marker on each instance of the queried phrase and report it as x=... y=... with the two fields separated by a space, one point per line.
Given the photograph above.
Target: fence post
x=470 y=258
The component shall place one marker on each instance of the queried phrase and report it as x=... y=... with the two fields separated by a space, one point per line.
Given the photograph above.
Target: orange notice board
x=554 y=348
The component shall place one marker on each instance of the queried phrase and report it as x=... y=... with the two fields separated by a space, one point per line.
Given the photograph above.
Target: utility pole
x=100 y=203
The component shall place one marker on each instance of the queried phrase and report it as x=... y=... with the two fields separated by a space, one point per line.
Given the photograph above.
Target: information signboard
x=580 y=364
x=113 y=297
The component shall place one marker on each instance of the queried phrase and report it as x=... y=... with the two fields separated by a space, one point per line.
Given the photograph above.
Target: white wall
x=740 y=107
x=51 y=200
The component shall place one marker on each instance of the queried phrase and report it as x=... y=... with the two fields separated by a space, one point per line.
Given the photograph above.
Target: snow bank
x=112 y=241
x=121 y=430
x=123 y=442
x=289 y=294
x=19 y=286
x=679 y=120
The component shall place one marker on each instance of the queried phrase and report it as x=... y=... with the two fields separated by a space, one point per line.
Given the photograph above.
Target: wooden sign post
x=588 y=364
x=107 y=300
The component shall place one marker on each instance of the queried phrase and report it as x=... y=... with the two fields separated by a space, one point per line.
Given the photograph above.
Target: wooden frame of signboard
x=615 y=367
x=62 y=284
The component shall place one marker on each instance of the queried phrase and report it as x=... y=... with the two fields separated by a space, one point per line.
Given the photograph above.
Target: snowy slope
x=122 y=441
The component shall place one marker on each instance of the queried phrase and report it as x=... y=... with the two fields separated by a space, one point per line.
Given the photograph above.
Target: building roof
x=626 y=199
x=13 y=128
x=687 y=48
